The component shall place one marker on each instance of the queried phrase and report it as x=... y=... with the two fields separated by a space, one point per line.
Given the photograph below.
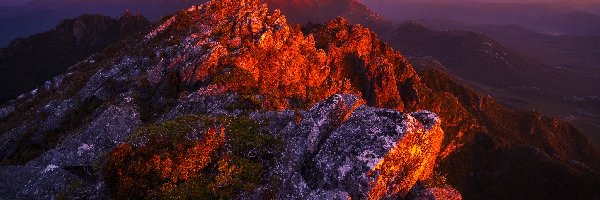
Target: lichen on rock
x=226 y=100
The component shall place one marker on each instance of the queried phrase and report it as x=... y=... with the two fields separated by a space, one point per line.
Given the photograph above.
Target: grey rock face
x=302 y=140
x=348 y=154
x=211 y=101
x=331 y=153
x=99 y=79
x=56 y=112
x=8 y=140
x=19 y=182
x=4 y=112
x=104 y=133
x=73 y=161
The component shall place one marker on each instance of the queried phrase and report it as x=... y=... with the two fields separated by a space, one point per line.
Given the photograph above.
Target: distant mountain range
x=569 y=61
x=549 y=18
x=40 y=15
x=544 y=78
x=513 y=79
x=573 y=52
x=488 y=63
x=237 y=97
x=29 y=62
x=323 y=11
x=553 y=18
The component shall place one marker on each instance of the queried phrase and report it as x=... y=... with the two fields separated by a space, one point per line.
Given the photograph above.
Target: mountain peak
x=228 y=100
x=279 y=60
x=246 y=59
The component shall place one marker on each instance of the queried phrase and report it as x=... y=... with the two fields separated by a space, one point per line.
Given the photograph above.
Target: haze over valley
x=299 y=99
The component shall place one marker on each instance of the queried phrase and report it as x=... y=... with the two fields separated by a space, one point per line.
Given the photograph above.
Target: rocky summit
x=224 y=100
x=227 y=100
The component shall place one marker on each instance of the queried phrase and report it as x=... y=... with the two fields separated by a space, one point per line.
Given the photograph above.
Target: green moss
x=61 y=196
x=239 y=166
x=247 y=139
x=179 y=127
x=208 y=186
x=194 y=189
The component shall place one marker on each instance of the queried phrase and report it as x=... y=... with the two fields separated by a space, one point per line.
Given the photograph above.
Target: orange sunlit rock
x=412 y=159
x=286 y=62
x=160 y=164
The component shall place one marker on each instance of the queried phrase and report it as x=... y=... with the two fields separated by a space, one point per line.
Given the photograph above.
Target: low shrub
x=230 y=158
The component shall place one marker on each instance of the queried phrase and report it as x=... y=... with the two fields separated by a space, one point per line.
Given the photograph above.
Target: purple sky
x=12 y=2
x=17 y=2
x=489 y=1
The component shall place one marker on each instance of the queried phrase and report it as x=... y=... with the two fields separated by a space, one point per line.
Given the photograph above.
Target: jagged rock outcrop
x=218 y=96
x=260 y=51
x=341 y=157
x=339 y=149
x=226 y=100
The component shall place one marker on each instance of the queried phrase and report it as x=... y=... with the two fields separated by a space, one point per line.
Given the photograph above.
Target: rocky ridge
x=218 y=97
x=214 y=68
x=485 y=140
